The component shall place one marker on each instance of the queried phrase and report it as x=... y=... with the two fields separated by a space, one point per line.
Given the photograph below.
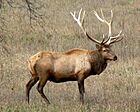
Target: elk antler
x=116 y=38
x=111 y=39
x=80 y=21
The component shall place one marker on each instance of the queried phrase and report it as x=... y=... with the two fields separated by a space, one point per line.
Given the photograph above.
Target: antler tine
x=103 y=39
x=103 y=16
x=80 y=21
x=79 y=15
x=111 y=16
x=98 y=17
x=78 y=18
x=102 y=19
x=116 y=38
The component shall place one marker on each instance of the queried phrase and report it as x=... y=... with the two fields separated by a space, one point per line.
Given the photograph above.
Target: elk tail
x=32 y=62
x=31 y=66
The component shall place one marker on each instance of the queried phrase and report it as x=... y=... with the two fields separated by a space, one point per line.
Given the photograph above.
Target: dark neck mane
x=98 y=63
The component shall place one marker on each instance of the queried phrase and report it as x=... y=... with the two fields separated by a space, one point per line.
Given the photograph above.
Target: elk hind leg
x=29 y=85
x=41 y=84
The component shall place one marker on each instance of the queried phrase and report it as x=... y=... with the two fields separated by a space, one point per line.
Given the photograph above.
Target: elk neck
x=97 y=61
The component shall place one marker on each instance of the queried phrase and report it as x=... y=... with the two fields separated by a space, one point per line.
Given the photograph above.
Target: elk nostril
x=115 y=58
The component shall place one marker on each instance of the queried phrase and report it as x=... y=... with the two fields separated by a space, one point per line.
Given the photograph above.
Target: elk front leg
x=81 y=90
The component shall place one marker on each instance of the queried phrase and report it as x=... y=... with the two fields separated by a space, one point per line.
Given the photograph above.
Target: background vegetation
x=29 y=26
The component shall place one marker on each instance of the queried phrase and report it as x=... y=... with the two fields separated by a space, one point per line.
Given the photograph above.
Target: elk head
x=104 y=46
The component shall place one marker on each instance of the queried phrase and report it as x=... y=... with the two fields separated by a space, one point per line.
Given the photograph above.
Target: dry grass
x=115 y=90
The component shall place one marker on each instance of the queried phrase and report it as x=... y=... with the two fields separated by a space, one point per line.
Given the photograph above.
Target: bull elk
x=75 y=64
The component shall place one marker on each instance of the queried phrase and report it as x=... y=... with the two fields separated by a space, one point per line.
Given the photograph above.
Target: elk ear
x=98 y=46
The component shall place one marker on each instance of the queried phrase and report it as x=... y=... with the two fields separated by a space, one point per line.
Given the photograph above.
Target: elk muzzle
x=115 y=58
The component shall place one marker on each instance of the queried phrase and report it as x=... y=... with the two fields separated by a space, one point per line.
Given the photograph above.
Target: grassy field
x=117 y=89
